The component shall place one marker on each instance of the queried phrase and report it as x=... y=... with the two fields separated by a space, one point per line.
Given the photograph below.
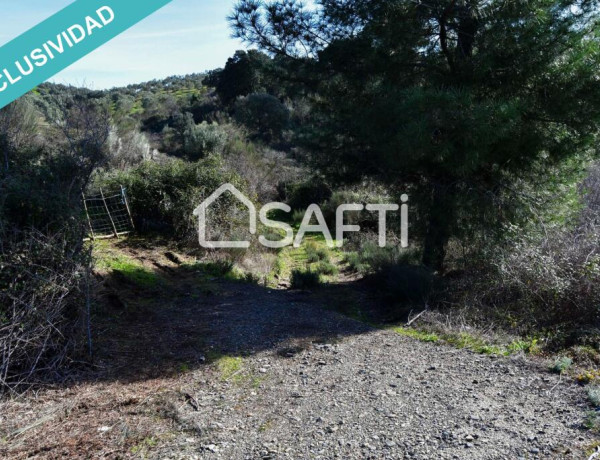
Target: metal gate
x=108 y=216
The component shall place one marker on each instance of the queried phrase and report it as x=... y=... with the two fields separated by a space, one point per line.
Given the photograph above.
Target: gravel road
x=319 y=385
x=307 y=383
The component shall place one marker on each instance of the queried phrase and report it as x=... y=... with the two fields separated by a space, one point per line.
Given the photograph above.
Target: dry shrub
x=556 y=275
x=41 y=293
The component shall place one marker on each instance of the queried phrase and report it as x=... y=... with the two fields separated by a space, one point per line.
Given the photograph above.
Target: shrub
x=304 y=279
x=300 y=196
x=41 y=298
x=367 y=193
x=298 y=216
x=202 y=140
x=263 y=114
x=593 y=392
x=561 y=365
x=327 y=268
x=128 y=150
x=405 y=284
x=356 y=263
x=164 y=196
x=370 y=257
x=43 y=264
x=218 y=268
x=316 y=253
x=555 y=277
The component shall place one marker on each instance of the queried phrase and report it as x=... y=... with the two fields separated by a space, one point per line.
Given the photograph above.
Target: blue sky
x=186 y=36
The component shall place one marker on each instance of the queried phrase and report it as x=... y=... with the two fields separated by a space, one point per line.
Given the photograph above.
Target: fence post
x=126 y=201
x=109 y=215
x=87 y=213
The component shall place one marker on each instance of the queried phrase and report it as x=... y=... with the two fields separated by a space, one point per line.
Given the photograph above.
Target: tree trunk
x=438 y=228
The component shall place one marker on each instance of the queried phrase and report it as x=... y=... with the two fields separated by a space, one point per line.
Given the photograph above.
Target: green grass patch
x=231 y=369
x=418 y=335
x=313 y=256
x=464 y=340
x=475 y=344
x=316 y=252
x=527 y=346
x=130 y=269
x=229 y=366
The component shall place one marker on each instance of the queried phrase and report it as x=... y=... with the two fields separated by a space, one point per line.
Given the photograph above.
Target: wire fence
x=108 y=216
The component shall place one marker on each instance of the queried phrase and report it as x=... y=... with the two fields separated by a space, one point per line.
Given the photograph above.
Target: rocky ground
x=236 y=371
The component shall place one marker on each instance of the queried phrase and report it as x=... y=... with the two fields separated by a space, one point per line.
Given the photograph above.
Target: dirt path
x=235 y=371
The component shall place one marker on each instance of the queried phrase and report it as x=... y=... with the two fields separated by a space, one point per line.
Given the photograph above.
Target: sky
x=186 y=36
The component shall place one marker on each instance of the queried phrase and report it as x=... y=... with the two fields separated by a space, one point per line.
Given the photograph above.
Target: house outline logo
x=200 y=212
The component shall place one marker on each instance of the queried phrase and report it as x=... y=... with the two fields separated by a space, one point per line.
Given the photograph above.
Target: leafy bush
x=164 y=196
x=593 y=392
x=406 y=284
x=356 y=263
x=301 y=195
x=327 y=268
x=202 y=140
x=43 y=263
x=128 y=149
x=371 y=258
x=561 y=365
x=217 y=268
x=367 y=193
x=301 y=279
x=263 y=114
x=316 y=253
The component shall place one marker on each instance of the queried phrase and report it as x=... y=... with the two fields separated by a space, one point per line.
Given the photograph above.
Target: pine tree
x=453 y=99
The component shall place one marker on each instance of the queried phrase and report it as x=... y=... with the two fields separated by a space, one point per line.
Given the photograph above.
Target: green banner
x=59 y=41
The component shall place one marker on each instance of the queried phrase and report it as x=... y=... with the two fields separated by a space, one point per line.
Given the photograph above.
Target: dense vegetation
x=485 y=112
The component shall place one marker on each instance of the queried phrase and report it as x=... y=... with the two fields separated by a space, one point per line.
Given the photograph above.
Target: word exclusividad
x=47 y=51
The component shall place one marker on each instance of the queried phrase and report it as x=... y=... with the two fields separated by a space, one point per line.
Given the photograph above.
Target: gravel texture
x=308 y=384
x=319 y=385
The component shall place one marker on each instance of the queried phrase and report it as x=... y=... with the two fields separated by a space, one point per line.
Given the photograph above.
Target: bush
x=41 y=298
x=316 y=253
x=367 y=193
x=561 y=365
x=128 y=150
x=263 y=114
x=164 y=196
x=218 y=267
x=300 y=196
x=594 y=395
x=327 y=268
x=304 y=279
x=202 y=140
x=43 y=264
x=371 y=258
x=405 y=284
x=356 y=263
x=553 y=277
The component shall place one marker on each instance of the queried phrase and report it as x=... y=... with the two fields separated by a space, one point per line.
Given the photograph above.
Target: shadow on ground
x=188 y=319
